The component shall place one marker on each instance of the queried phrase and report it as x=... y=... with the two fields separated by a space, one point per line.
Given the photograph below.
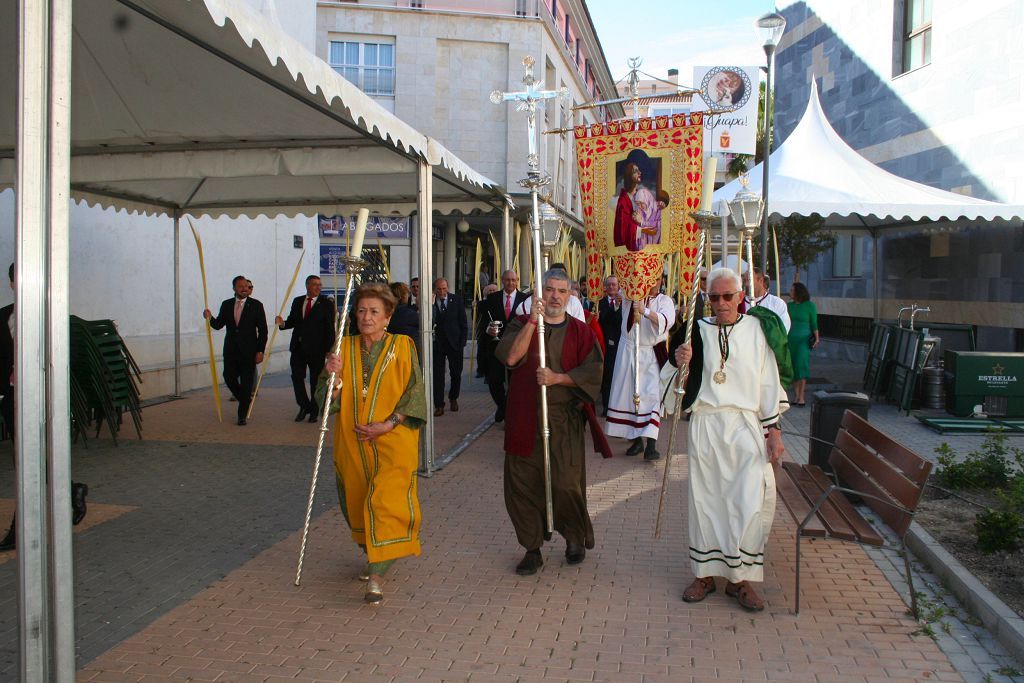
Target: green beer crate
x=995 y=381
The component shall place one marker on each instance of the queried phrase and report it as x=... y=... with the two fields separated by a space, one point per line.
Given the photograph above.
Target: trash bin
x=827 y=410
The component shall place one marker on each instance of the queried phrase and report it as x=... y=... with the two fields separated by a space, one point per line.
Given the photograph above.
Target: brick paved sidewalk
x=459 y=613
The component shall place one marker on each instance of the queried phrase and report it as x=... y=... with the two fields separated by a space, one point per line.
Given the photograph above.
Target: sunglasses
x=727 y=297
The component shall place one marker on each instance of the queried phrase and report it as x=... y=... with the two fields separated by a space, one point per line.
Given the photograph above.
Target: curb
x=456 y=450
x=1002 y=622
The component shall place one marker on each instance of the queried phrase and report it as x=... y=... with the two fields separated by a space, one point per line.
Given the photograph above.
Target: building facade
x=434 y=64
x=933 y=91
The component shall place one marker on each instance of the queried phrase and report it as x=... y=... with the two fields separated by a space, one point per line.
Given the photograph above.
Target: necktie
x=508 y=306
x=442 y=304
x=239 y=303
x=309 y=305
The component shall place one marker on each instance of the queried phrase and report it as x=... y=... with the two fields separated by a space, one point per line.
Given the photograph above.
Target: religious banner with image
x=639 y=181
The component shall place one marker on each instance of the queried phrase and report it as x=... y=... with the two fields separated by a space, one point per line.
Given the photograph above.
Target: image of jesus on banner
x=638 y=209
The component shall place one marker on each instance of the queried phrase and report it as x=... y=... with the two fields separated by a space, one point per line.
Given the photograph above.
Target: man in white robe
x=736 y=400
x=764 y=298
x=653 y=316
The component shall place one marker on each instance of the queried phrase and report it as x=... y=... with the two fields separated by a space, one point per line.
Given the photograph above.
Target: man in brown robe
x=572 y=378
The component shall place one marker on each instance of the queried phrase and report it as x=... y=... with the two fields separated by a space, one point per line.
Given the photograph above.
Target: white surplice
x=731 y=483
x=624 y=419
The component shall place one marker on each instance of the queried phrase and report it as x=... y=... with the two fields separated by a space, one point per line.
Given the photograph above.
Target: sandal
x=699 y=589
x=745 y=595
x=374 y=589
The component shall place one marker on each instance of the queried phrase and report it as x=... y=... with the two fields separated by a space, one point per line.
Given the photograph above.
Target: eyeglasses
x=727 y=297
x=703 y=279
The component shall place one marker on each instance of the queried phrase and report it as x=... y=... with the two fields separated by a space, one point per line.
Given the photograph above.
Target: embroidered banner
x=639 y=181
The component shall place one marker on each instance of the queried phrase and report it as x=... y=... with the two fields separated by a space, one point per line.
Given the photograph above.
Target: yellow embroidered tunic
x=377 y=479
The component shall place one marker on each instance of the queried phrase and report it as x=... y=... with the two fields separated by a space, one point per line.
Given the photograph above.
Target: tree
x=739 y=165
x=801 y=239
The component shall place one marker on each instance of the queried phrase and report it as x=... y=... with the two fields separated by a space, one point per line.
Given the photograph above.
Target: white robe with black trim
x=731 y=483
x=624 y=419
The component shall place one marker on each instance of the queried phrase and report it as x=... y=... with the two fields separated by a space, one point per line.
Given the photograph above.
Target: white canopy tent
x=815 y=172
x=168 y=107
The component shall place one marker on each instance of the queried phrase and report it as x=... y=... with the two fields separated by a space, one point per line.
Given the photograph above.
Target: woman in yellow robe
x=380 y=402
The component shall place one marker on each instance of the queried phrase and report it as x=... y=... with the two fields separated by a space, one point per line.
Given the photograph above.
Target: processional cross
x=527 y=101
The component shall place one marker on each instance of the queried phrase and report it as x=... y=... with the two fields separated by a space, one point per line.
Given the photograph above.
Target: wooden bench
x=888 y=477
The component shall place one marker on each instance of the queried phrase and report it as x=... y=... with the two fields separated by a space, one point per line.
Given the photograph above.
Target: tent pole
x=177 y=304
x=58 y=348
x=42 y=420
x=874 y=276
x=424 y=224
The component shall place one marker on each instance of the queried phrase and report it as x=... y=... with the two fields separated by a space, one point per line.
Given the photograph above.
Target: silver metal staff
x=748 y=235
x=527 y=101
x=704 y=220
x=353 y=266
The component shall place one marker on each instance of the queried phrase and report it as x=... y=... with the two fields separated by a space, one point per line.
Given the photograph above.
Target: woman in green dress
x=803 y=336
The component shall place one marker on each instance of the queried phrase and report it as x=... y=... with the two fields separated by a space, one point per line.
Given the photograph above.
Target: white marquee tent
x=815 y=172
x=168 y=107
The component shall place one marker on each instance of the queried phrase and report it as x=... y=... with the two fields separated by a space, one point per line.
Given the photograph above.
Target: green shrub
x=998 y=530
x=987 y=468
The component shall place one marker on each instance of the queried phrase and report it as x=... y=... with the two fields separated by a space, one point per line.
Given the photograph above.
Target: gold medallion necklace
x=723 y=346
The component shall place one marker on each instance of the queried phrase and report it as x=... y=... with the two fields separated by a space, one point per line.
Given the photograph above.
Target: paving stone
x=198 y=576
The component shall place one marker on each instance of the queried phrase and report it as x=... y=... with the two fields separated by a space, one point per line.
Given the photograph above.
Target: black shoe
x=241 y=422
x=301 y=415
x=9 y=541
x=78 y=508
x=531 y=562
x=455 y=405
x=574 y=554
x=312 y=417
x=636 y=447
x=499 y=416
x=651 y=453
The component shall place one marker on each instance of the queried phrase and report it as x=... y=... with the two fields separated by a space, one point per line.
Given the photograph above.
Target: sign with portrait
x=728 y=87
x=639 y=181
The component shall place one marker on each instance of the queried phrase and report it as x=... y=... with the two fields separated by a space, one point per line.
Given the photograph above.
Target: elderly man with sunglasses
x=735 y=397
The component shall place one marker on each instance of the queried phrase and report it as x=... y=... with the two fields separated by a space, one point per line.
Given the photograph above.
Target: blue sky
x=679 y=34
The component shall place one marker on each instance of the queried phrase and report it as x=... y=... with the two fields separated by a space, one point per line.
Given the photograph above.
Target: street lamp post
x=771 y=27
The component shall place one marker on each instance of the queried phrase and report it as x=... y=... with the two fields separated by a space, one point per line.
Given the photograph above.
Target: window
x=917 y=34
x=370 y=66
x=667 y=110
x=846 y=261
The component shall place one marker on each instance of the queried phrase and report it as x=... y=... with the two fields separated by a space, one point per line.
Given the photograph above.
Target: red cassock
x=625 y=227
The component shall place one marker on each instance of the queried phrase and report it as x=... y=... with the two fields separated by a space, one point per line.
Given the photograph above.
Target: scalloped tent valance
x=208 y=108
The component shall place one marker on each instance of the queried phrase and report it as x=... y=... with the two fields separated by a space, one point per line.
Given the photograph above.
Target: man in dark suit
x=312 y=318
x=484 y=349
x=451 y=330
x=501 y=307
x=244 y=342
x=78 y=490
x=609 y=317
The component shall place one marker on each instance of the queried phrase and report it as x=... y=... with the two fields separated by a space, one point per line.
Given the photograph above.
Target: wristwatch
x=394 y=419
x=774 y=425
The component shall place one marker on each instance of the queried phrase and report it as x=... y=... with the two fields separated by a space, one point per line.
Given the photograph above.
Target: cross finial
x=527 y=101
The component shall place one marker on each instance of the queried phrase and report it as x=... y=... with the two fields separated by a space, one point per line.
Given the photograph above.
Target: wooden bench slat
x=856 y=479
x=861 y=527
x=833 y=522
x=795 y=502
x=902 y=490
x=910 y=464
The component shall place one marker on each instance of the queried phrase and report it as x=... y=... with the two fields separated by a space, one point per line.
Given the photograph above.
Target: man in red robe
x=573 y=379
